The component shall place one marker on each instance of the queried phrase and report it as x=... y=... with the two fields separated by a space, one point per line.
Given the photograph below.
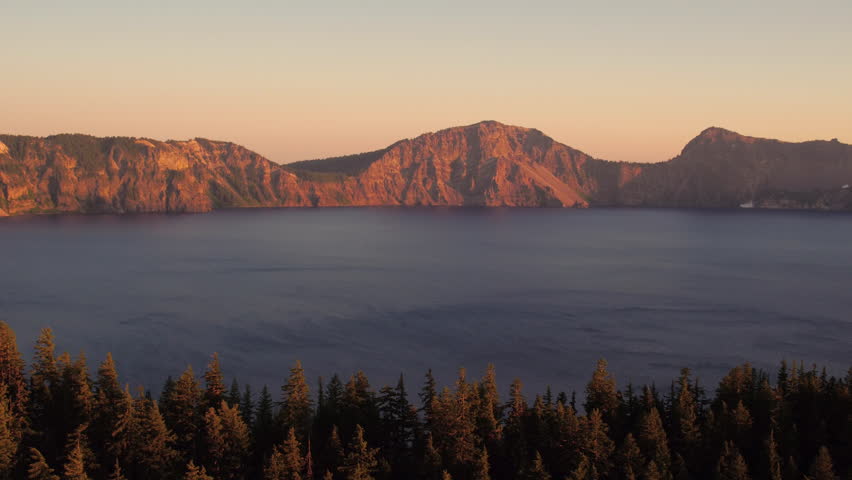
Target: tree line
x=59 y=422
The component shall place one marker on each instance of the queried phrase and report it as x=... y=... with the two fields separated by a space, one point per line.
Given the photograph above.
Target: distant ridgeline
x=57 y=419
x=485 y=164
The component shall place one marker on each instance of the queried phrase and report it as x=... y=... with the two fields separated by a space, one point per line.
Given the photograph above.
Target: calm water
x=540 y=293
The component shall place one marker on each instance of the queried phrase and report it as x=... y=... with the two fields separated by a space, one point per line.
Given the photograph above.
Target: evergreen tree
x=773 y=460
x=731 y=464
x=654 y=442
x=427 y=396
x=226 y=442
x=629 y=459
x=360 y=460
x=601 y=393
x=432 y=464
x=44 y=381
x=10 y=432
x=194 y=472
x=116 y=473
x=124 y=425
x=247 y=406
x=12 y=371
x=286 y=462
x=38 y=467
x=264 y=424
x=182 y=412
x=110 y=409
x=514 y=433
x=75 y=467
x=482 y=467
x=584 y=470
x=76 y=391
x=488 y=410
x=214 y=384
x=296 y=402
x=537 y=471
x=822 y=468
x=234 y=396
x=332 y=452
x=595 y=444
x=153 y=443
x=685 y=417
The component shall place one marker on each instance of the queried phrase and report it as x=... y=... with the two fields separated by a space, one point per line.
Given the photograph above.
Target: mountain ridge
x=483 y=164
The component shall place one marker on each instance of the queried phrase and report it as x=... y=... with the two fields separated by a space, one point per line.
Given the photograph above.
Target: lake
x=541 y=293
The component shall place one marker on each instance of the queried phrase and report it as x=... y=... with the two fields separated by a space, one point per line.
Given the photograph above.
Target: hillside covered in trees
x=59 y=422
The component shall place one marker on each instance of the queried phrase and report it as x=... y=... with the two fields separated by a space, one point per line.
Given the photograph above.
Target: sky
x=297 y=80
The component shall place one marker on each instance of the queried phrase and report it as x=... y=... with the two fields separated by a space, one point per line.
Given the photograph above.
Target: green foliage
x=38 y=467
x=96 y=428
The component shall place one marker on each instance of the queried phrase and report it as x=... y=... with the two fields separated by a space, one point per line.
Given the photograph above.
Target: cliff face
x=79 y=173
x=486 y=164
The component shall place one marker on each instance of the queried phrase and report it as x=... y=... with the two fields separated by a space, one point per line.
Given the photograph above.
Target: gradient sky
x=306 y=79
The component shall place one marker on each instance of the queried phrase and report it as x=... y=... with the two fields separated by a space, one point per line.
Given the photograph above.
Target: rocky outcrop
x=486 y=164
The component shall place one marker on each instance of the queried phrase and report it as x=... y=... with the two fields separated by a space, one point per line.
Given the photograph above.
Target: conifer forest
x=64 y=419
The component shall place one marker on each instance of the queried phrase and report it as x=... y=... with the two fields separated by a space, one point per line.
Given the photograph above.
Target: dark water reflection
x=540 y=293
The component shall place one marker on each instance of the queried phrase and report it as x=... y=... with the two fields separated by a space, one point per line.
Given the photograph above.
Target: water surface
x=541 y=293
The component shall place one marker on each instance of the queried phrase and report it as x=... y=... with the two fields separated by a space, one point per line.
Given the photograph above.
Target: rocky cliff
x=486 y=164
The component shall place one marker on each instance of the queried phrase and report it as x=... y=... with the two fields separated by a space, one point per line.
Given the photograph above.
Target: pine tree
x=773 y=460
x=601 y=393
x=584 y=470
x=685 y=417
x=247 y=406
x=296 y=402
x=488 y=408
x=309 y=462
x=360 y=460
x=152 y=440
x=731 y=464
x=109 y=407
x=12 y=371
x=654 y=442
x=652 y=472
x=741 y=425
x=596 y=445
x=427 y=396
x=482 y=466
x=537 y=471
x=79 y=439
x=822 y=468
x=264 y=424
x=10 y=432
x=38 y=467
x=286 y=462
x=116 y=473
x=75 y=467
x=77 y=396
x=629 y=458
x=124 y=425
x=233 y=398
x=214 y=384
x=182 y=412
x=44 y=381
x=194 y=472
x=226 y=439
x=432 y=465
